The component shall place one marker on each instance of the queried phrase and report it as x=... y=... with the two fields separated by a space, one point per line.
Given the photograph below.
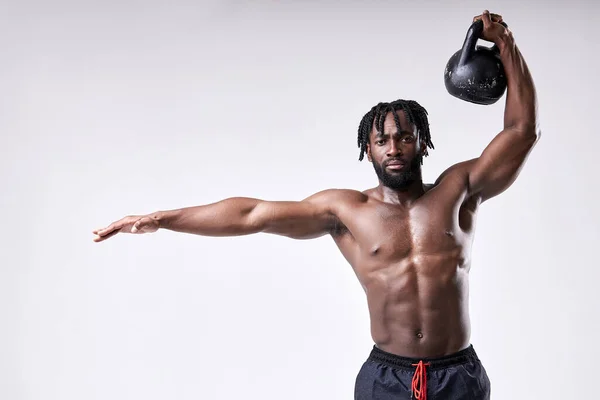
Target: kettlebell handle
x=473 y=35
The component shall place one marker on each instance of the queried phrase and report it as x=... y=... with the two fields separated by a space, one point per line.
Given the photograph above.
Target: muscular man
x=409 y=243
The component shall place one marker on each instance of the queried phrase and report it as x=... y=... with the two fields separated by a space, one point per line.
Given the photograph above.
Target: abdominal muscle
x=418 y=306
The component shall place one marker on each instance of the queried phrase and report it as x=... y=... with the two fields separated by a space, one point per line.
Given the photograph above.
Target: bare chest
x=390 y=234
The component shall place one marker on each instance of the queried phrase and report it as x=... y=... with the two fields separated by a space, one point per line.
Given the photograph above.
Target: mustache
x=395 y=159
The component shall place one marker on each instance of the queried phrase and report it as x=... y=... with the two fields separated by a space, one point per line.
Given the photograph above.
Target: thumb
x=136 y=227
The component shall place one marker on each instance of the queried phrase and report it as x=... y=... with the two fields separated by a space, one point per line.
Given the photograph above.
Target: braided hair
x=415 y=114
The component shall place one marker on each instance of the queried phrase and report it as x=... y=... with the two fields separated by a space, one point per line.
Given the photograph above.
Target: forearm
x=521 y=100
x=229 y=217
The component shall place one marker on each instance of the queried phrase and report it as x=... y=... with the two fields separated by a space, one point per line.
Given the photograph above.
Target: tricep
x=500 y=163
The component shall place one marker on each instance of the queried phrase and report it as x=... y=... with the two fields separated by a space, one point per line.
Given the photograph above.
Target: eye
x=380 y=142
x=408 y=139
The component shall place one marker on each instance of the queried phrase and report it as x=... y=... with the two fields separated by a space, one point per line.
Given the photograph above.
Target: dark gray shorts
x=456 y=376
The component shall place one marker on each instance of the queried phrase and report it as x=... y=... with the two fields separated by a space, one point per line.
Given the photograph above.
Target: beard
x=400 y=180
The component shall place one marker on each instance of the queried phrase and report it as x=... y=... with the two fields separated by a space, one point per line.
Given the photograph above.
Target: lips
x=395 y=164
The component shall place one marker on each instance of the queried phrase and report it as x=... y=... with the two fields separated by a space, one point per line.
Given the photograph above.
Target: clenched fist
x=494 y=28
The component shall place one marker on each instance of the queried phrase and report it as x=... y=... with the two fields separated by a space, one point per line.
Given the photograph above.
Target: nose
x=394 y=149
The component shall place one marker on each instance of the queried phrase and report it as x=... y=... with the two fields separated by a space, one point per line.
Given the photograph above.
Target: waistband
x=396 y=361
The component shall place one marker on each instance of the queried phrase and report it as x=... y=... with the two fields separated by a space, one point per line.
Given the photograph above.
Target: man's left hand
x=493 y=30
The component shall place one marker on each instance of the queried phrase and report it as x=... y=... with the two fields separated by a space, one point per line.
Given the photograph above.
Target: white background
x=116 y=108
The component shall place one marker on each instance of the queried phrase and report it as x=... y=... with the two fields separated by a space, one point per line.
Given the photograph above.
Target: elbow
x=535 y=131
x=536 y=134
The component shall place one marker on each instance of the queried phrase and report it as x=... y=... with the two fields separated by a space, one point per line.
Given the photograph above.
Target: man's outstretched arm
x=501 y=161
x=309 y=218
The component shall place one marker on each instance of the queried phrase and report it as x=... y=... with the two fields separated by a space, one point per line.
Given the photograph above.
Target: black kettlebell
x=475 y=73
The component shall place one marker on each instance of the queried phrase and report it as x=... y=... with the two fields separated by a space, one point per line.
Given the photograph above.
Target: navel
x=420 y=334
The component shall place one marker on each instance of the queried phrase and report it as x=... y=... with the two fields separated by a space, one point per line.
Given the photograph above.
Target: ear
x=369 y=153
x=423 y=147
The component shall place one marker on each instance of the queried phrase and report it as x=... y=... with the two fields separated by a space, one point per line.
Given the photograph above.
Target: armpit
x=338 y=228
x=458 y=171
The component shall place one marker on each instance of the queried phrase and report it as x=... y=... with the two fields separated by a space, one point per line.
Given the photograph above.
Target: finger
x=486 y=18
x=105 y=231
x=110 y=229
x=97 y=231
x=103 y=238
x=100 y=231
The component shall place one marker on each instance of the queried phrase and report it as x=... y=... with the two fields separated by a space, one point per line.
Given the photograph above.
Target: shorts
x=456 y=376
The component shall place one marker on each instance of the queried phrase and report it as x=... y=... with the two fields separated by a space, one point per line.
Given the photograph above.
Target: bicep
x=306 y=219
x=500 y=163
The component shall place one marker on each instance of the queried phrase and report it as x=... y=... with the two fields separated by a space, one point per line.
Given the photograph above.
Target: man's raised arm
x=309 y=218
x=501 y=161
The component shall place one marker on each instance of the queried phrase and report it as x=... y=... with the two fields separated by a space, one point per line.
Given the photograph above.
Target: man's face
x=396 y=154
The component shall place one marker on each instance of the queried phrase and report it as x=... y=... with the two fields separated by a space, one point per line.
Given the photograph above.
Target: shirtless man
x=409 y=243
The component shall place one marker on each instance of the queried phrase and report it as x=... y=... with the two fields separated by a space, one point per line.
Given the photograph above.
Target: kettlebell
x=475 y=73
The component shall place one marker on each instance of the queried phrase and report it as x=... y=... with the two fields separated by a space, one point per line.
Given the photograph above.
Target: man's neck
x=401 y=196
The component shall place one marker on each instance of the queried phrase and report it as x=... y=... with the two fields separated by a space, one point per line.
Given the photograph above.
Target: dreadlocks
x=415 y=114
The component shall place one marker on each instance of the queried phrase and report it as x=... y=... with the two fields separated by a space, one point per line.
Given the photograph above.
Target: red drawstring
x=419 y=381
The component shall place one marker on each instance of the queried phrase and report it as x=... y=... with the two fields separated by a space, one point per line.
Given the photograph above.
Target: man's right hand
x=137 y=224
